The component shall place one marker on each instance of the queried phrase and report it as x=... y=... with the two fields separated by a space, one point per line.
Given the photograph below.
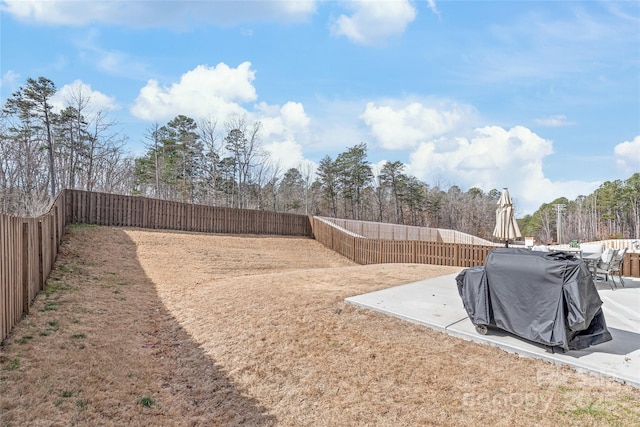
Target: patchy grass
x=63 y=268
x=80 y=228
x=49 y=306
x=594 y=412
x=67 y=393
x=12 y=365
x=147 y=401
x=53 y=288
x=25 y=339
x=53 y=325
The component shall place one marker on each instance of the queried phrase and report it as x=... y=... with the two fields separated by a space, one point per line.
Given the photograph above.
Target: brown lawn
x=165 y=328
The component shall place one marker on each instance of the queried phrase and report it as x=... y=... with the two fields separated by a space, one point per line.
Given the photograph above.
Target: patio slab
x=435 y=303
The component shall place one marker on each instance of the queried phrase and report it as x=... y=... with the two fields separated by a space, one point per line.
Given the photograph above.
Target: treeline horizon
x=203 y=162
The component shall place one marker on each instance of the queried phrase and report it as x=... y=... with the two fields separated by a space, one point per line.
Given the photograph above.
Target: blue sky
x=542 y=97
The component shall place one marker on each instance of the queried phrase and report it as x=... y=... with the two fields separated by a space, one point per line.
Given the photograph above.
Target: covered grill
x=545 y=297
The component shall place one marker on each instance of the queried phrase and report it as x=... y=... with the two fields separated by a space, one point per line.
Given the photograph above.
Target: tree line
x=203 y=162
x=42 y=151
x=612 y=211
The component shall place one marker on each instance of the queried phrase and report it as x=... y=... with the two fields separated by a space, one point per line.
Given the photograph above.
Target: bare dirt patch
x=145 y=327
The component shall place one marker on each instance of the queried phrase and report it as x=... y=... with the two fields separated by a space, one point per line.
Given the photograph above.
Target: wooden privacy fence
x=28 y=249
x=363 y=250
x=136 y=211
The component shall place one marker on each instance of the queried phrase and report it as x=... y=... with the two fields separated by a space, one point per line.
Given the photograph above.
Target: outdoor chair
x=605 y=265
x=616 y=265
x=592 y=254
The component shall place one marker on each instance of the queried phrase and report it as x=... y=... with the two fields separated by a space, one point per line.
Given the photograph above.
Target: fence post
x=25 y=267
x=414 y=256
x=354 y=248
x=52 y=242
x=456 y=255
x=58 y=232
x=40 y=258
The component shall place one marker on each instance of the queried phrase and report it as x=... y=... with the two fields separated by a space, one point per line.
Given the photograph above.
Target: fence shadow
x=129 y=339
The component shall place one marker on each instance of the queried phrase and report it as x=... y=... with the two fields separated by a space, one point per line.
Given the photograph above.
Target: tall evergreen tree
x=72 y=138
x=292 y=190
x=631 y=193
x=188 y=159
x=328 y=182
x=393 y=178
x=354 y=175
x=33 y=103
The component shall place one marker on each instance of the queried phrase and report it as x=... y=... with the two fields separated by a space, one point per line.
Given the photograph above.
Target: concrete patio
x=435 y=303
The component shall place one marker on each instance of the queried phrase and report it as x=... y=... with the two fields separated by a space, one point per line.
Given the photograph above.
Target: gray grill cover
x=545 y=297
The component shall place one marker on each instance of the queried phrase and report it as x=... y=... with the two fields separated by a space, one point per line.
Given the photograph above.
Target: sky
x=542 y=97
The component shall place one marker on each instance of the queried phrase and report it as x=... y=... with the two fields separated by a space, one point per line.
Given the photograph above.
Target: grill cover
x=546 y=297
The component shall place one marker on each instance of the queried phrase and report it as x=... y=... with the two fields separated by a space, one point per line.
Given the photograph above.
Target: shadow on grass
x=202 y=386
x=134 y=363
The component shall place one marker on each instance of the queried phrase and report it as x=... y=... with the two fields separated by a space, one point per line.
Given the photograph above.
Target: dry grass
x=162 y=328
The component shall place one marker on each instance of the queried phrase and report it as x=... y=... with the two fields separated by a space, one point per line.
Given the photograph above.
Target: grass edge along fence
x=28 y=250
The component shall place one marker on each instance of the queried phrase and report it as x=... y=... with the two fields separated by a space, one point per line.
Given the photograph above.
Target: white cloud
x=285 y=154
x=202 y=92
x=491 y=151
x=293 y=116
x=555 y=121
x=284 y=129
x=401 y=127
x=333 y=125
x=47 y=12
x=93 y=101
x=433 y=7
x=172 y=14
x=119 y=64
x=9 y=83
x=374 y=20
x=628 y=156
x=288 y=120
x=81 y=96
x=579 y=46
x=495 y=158
x=295 y=7
x=110 y=61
